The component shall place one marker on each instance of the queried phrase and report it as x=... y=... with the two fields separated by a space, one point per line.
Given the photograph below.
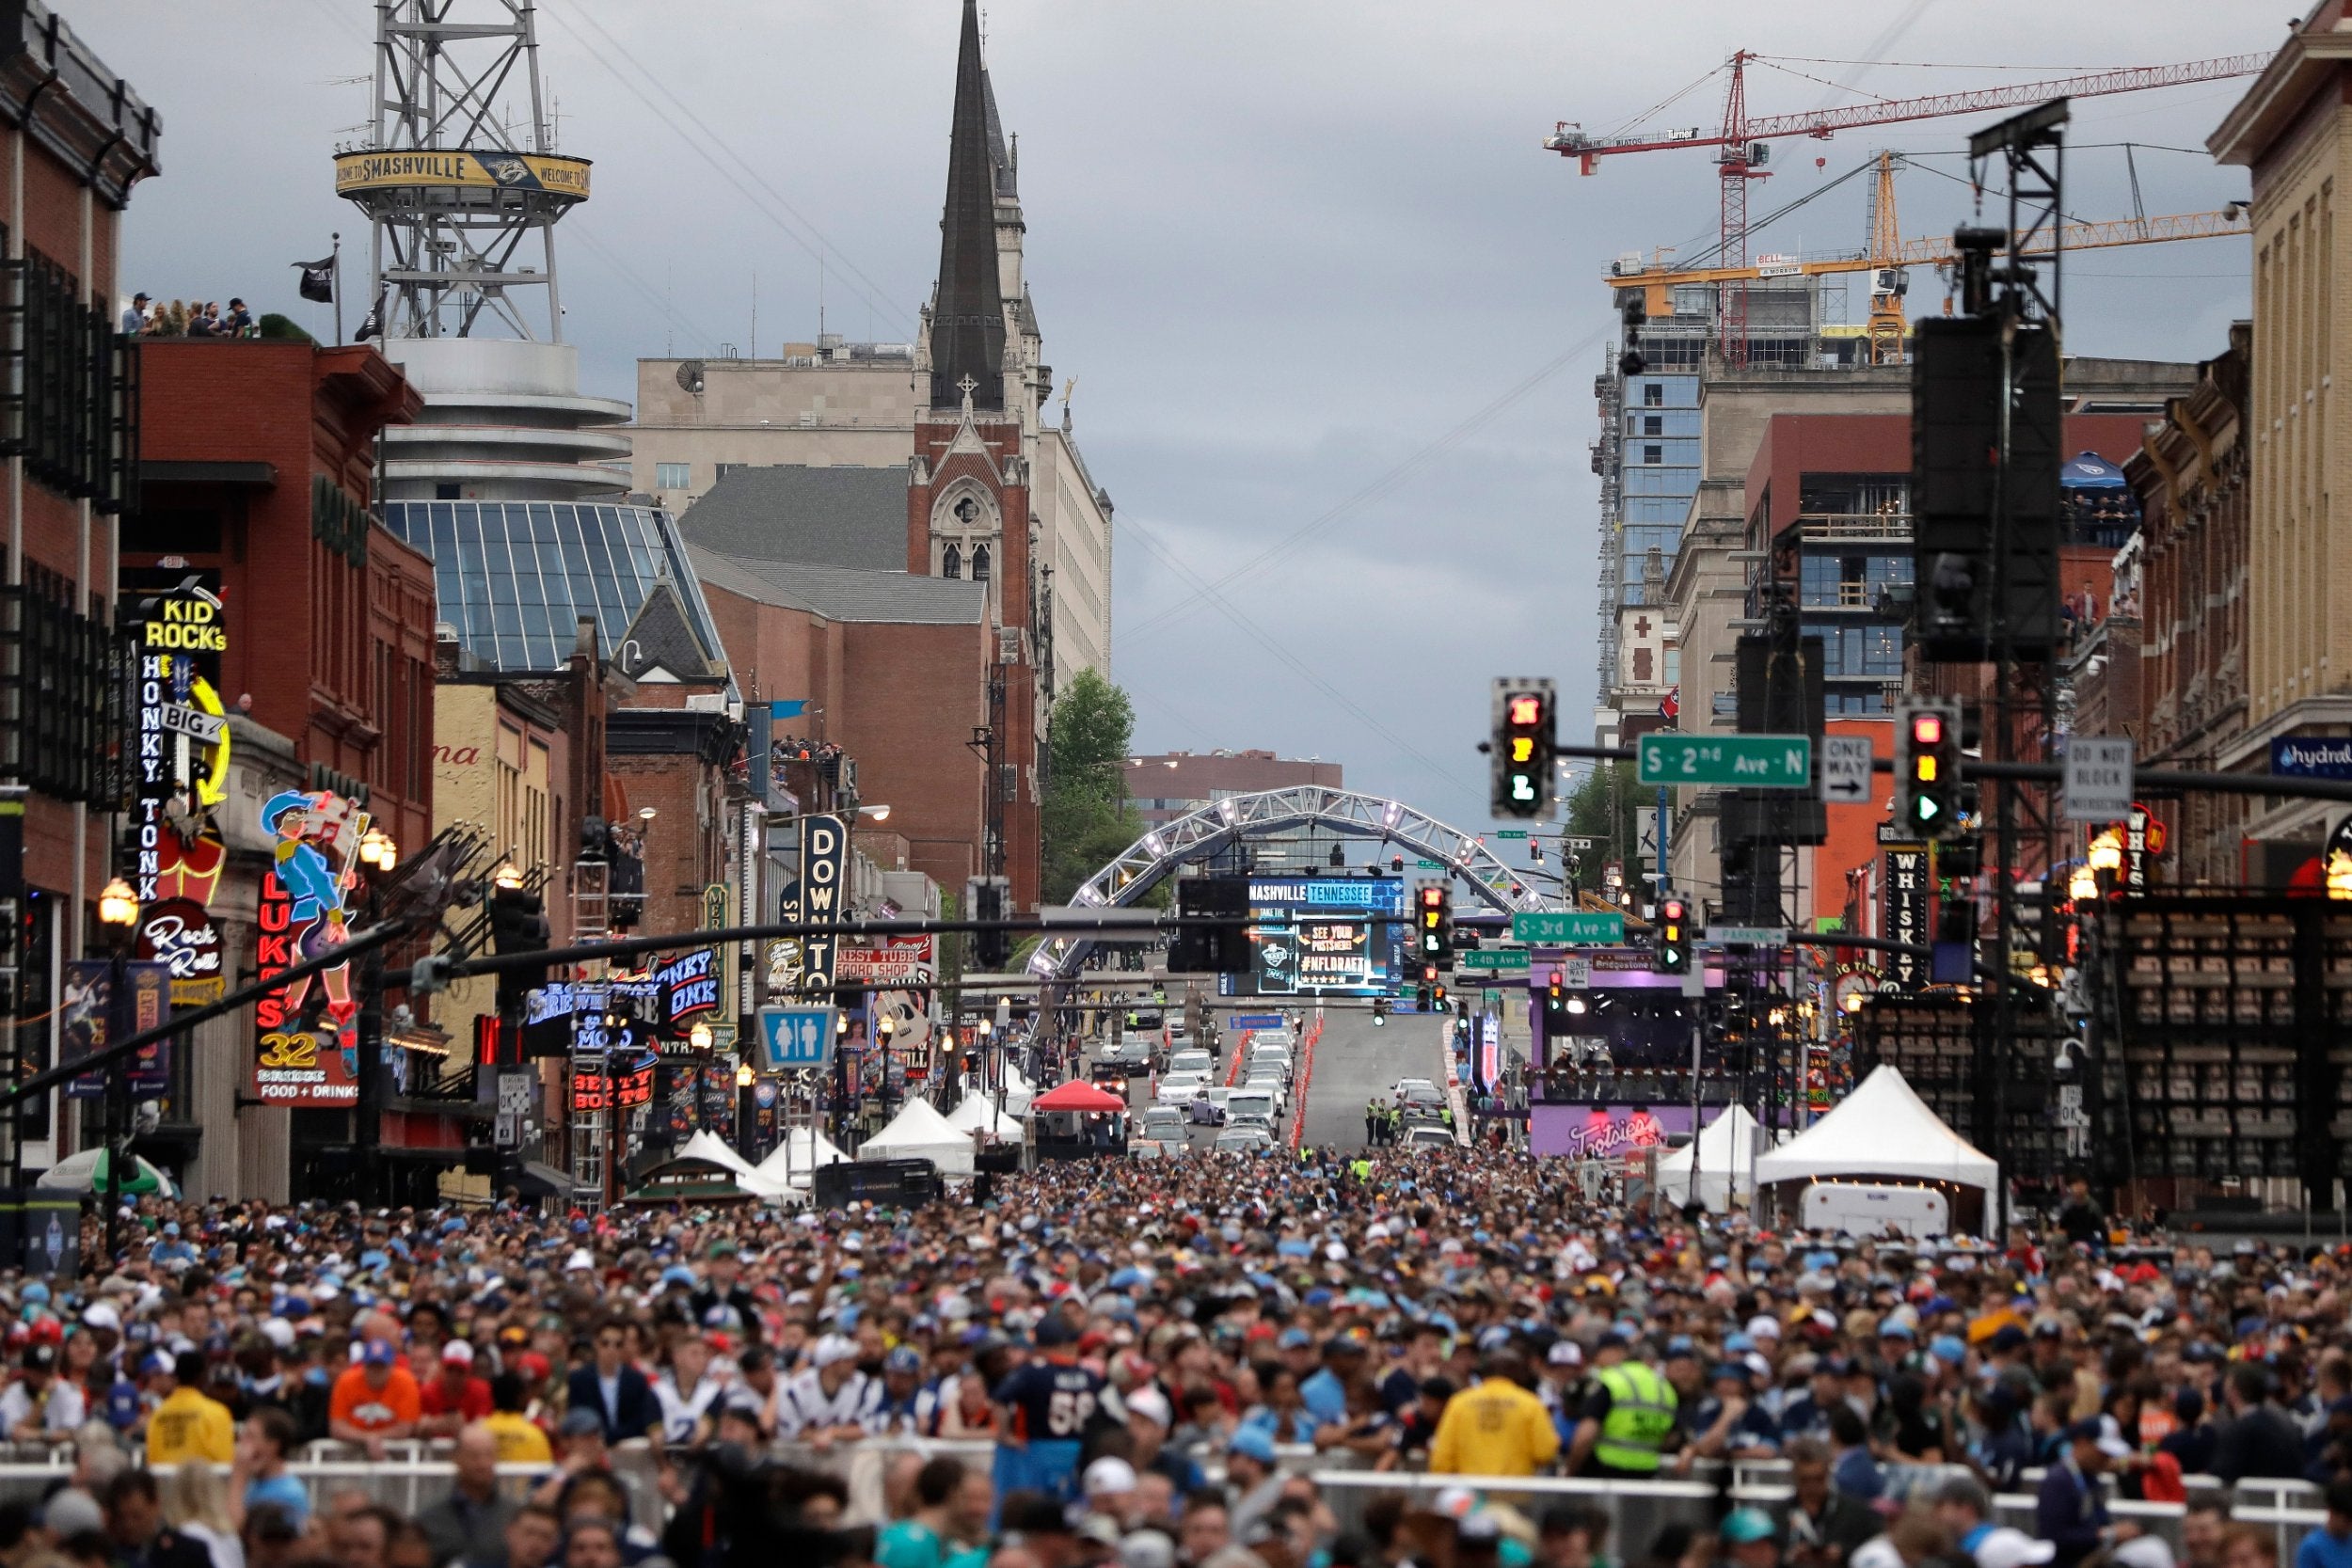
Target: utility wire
x=1380 y=485
x=1289 y=659
x=693 y=330
x=813 y=241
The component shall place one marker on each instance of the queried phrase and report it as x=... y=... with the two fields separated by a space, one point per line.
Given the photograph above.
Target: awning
x=541 y=1180
x=2087 y=471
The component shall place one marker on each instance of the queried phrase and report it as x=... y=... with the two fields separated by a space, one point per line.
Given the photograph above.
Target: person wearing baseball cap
x=456 y=1398
x=1043 y=1409
x=376 y=1401
x=40 y=1406
x=2070 y=1510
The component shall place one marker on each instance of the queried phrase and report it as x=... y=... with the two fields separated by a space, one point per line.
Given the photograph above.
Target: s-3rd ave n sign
x=1740 y=761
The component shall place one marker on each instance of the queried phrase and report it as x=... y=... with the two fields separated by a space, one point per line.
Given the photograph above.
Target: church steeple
x=968 y=311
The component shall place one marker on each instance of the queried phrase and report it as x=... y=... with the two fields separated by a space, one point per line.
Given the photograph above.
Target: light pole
x=118 y=917
x=377 y=854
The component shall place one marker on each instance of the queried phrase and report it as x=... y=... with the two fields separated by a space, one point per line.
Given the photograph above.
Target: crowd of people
x=147 y=318
x=1151 y=1363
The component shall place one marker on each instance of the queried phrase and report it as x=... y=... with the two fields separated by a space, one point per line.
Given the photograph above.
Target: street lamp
x=743 y=1075
x=2083 y=885
x=118 y=909
x=2106 y=852
x=507 y=876
x=117 y=916
x=699 y=1035
x=377 y=851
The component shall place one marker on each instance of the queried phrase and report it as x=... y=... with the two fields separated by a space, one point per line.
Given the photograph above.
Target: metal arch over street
x=1147 y=861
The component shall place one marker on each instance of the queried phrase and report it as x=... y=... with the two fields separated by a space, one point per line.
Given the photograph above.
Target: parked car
x=1250 y=1104
x=1269 y=1085
x=1192 y=1061
x=1131 y=1051
x=1177 y=1087
x=1243 y=1140
x=1165 y=1122
x=1273 y=1058
x=1200 y=1111
x=1429 y=1135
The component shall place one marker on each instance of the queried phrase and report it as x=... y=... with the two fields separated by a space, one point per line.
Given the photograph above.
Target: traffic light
x=1433 y=925
x=985 y=898
x=518 y=924
x=1379 y=1011
x=1927 y=768
x=1521 y=749
x=1674 y=937
x=1220 y=948
x=1422 y=996
x=1436 y=996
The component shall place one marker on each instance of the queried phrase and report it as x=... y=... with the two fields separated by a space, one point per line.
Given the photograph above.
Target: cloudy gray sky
x=1332 y=311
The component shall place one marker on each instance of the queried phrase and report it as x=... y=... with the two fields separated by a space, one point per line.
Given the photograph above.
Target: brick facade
x=976 y=457
x=902 y=699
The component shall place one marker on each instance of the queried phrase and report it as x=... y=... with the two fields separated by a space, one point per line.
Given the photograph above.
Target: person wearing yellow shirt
x=520 y=1439
x=1495 y=1427
x=189 y=1424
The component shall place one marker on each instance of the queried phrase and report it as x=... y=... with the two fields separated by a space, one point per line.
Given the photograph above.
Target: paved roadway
x=1355 y=1061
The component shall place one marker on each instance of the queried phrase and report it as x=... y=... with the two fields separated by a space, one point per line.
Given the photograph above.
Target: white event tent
x=920 y=1132
x=1722 y=1151
x=1882 y=1132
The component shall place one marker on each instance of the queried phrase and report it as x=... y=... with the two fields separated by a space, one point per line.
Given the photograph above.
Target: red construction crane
x=1743 y=149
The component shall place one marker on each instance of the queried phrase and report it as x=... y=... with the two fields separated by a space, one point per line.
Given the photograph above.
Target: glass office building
x=514 y=576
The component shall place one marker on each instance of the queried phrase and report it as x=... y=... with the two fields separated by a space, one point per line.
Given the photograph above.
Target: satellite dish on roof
x=689 y=376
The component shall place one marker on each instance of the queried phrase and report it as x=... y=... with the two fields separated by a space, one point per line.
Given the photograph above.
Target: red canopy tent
x=1078 y=1095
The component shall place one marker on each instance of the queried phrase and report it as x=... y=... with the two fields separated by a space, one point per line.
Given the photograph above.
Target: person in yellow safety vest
x=1361 y=1170
x=1629 y=1415
x=1496 y=1428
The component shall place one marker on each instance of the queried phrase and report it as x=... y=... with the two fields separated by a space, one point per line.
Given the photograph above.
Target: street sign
x=1740 y=761
x=2098 y=778
x=1568 y=927
x=1510 y=832
x=1846 y=770
x=1430 y=865
x=1745 y=936
x=514 y=1088
x=1576 y=973
x=1579 y=845
x=1497 y=958
x=797 y=1036
x=1256 y=1020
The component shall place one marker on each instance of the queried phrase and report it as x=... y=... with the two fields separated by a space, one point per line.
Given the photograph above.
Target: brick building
x=257 y=467
x=77 y=138
x=890 y=667
x=2191 y=476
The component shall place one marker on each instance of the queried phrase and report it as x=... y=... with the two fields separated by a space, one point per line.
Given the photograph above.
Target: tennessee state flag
x=1670 y=705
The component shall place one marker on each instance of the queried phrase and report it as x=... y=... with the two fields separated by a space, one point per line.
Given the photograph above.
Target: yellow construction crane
x=1888 y=257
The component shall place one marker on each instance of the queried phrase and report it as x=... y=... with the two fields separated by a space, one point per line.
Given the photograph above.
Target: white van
x=1249 y=1105
x=1868 y=1209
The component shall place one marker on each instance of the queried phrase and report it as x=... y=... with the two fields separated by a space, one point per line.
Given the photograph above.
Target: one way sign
x=1846 y=770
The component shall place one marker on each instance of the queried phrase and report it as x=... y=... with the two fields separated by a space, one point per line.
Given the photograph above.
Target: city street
x=1355 y=1061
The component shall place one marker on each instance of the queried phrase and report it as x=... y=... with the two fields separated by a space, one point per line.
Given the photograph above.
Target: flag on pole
x=1670 y=705
x=318 y=280
x=371 y=326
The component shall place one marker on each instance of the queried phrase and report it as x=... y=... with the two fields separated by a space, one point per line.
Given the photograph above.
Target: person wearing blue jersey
x=1043 y=1406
